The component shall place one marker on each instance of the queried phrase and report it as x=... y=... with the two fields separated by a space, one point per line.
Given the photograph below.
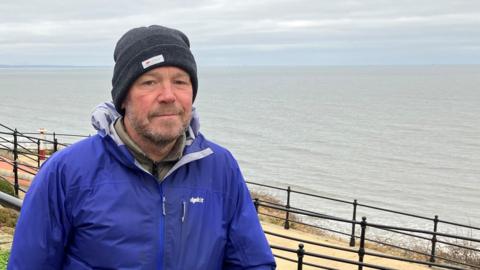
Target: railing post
x=434 y=240
x=15 y=144
x=361 y=250
x=38 y=153
x=300 y=254
x=15 y=164
x=287 y=216
x=354 y=218
x=15 y=173
x=256 y=203
x=55 y=143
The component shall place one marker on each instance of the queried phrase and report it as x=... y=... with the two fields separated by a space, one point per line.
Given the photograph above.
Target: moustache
x=165 y=111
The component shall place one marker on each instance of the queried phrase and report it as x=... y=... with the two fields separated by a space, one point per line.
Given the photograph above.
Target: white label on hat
x=152 y=61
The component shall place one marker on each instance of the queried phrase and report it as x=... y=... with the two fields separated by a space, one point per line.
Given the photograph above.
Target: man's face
x=158 y=106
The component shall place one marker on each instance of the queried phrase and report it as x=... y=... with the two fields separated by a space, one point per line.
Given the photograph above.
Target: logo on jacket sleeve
x=195 y=200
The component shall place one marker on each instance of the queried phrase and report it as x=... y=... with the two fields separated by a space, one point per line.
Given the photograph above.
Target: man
x=149 y=191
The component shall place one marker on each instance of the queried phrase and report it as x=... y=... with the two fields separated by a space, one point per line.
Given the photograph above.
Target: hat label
x=152 y=61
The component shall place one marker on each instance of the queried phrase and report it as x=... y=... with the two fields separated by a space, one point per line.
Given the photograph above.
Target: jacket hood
x=105 y=114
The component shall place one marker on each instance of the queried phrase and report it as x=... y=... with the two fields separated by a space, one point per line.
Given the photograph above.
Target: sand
x=285 y=265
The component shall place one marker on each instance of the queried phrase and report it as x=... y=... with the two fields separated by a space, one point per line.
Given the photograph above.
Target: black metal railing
x=303 y=254
x=24 y=152
x=435 y=221
x=19 y=144
x=432 y=259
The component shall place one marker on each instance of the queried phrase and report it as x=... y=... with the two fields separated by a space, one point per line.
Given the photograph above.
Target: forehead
x=167 y=70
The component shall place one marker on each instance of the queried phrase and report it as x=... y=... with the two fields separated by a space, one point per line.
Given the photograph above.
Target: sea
x=406 y=138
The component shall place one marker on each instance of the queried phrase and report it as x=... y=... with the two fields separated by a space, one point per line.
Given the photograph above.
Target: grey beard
x=152 y=137
x=155 y=138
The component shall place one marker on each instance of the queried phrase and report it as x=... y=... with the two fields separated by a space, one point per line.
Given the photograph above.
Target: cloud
x=312 y=28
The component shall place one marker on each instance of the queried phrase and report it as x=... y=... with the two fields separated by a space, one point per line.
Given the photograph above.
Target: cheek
x=187 y=114
x=185 y=101
x=188 y=111
x=136 y=111
x=138 y=104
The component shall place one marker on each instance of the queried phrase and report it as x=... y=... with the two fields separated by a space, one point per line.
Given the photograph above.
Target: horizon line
x=240 y=65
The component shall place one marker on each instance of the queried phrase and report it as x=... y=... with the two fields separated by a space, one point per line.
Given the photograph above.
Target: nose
x=166 y=93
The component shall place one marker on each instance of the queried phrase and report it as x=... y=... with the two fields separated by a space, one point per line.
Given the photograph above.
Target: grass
x=6 y=187
x=8 y=219
x=4 y=259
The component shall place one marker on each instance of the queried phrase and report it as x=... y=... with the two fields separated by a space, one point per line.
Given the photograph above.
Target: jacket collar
x=105 y=114
x=103 y=120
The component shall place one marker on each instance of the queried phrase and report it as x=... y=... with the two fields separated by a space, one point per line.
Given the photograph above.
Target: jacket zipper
x=184 y=210
x=161 y=230
x=161 y=223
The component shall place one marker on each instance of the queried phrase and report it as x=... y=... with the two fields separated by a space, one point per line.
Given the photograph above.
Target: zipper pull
x=163 y=206
x=184 y=205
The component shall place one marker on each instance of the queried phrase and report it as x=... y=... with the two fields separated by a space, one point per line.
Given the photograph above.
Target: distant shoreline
x=255 y=66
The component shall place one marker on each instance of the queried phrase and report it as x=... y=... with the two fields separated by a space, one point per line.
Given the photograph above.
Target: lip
x=165 y=116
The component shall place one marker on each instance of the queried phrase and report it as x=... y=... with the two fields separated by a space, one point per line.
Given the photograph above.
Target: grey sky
x=248 y=32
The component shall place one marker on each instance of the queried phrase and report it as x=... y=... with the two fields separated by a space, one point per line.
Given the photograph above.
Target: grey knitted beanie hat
x=145 y=48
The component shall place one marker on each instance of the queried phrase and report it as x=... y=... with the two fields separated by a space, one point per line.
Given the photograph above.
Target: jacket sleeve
x=43 y=227
x=247 y=246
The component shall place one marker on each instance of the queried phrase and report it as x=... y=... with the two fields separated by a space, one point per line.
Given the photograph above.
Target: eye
x=181 y=82
x=148 y=83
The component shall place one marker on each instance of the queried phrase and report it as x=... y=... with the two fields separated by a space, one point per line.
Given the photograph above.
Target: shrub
x=8 y=217
x=6 y=187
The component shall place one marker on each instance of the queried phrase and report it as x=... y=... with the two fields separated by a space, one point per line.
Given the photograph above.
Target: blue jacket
x=92 y=207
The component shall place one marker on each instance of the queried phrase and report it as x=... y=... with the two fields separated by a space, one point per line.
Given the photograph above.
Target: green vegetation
x=8 y=220
x=6 y=187
x=4 y=259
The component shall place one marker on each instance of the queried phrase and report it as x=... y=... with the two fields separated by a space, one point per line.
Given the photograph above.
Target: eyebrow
x=178 y=73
